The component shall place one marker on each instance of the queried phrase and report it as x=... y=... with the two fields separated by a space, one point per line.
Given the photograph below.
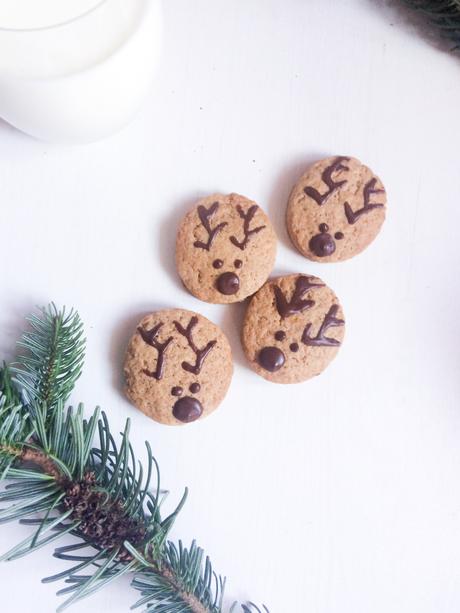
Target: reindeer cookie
x=336 y=209
x=178 y=366
x=293 y=328
x=225 y=249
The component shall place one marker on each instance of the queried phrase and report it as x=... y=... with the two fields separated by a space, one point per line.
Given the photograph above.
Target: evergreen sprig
x=53 y=358
x=443 y=14
x=67 y=475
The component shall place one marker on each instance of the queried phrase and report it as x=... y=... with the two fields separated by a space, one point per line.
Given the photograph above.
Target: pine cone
x=103 y=520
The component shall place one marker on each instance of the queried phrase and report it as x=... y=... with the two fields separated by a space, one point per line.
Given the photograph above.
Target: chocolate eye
x=338 y=236
x=195 y=388
x=218 y=263
x=294 y=347
x=324 y=227
x=177 y=391
x=238 y=263
x=280 y=335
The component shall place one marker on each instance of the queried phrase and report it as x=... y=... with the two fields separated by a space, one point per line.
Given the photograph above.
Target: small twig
x=190 y=600
x=42 y=461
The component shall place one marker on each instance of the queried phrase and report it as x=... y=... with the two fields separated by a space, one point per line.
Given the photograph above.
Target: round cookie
x=293 y=328
x=225 y=249
x=336 y=209
x=178 y=366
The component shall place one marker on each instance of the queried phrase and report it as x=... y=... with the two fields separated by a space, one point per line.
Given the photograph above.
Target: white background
x=340 y=495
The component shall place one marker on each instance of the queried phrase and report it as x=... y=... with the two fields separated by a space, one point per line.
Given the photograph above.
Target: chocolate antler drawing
x=150 y=337
x=321 y=340
x=326 y=177
x=368 y=192
x=201 y=354
x=247 y=222
x=297 y=304
x=205 y=216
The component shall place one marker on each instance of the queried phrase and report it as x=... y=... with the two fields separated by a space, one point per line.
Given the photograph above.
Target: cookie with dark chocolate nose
x=178 y=366
x=225 y=249
x=293 y=328
x=336 y=209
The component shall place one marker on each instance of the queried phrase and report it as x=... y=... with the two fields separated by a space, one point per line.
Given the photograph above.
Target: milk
x=34 y=14
x=75 y=70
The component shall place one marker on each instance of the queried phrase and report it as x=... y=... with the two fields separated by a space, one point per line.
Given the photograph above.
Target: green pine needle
x=66 y=474
x=53 y=358
x=191 y=575
x=8 y=389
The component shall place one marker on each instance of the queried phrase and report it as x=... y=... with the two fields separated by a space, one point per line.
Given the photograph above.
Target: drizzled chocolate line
x=297 y=304
x=246 y=226
x=201 y=354
x=326 y=177
x=321 y=340
x=368 y=191
x=205 y=216
x=150 y=338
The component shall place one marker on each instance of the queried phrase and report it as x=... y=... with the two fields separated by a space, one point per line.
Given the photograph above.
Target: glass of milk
x=76 y=70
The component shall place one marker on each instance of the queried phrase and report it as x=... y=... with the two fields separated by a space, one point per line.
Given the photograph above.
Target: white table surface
x=340 y=495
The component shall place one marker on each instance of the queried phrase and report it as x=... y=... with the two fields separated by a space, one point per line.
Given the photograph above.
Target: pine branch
x=8 y=389
x=443 y=14
x=14 y=422
x=53 y=358
x=98 y=494
x=181 y=568
x=67 y=475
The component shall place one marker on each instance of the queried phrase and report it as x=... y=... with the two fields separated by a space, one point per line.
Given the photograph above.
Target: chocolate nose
x=187 y=409
x=322 y=245
x=228 y=283
x=271 y=359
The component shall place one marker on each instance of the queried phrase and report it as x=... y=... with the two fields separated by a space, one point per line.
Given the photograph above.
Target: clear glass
x=26 y=15
x=71 y=45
